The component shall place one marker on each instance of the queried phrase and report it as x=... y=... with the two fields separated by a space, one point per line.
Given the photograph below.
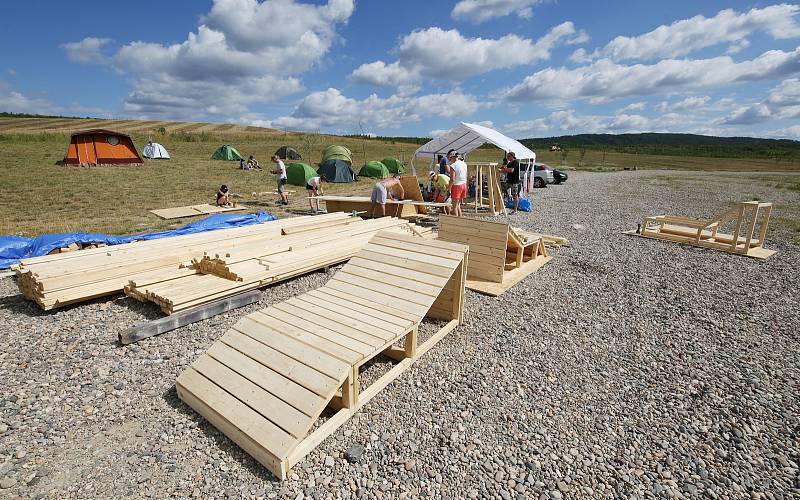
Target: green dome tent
x=394 y=165
x=298 y=174
x=374 y=169
x=337 y=171
x=226 y=152
x=337 y=153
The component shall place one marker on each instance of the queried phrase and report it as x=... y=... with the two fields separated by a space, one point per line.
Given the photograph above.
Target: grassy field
x=45 y=197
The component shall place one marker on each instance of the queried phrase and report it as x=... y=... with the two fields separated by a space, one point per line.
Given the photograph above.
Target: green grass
x=45 y=197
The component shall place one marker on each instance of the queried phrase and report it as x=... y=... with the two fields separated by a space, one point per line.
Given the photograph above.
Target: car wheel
x=538 y=182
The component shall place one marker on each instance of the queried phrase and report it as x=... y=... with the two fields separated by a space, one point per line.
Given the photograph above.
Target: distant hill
x=674 y=145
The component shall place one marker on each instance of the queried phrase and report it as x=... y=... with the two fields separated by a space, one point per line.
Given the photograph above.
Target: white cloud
x=750 y=115
x=792 y=132
x=635 y=106
x=331 y=109
x=438 y=132
x=244 y=52
x=87 y=51
x=605 y=80
x=570 y=122
x=16 y=102
x=694 y=103
x=446 y=54
x=479 y=11
x=688 y=35
x=783 y=103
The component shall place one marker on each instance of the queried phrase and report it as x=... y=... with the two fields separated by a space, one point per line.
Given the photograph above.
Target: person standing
x=458 y=181
x=442 y=161
x=280 y=171
x=314 y=189
x=511 y=169
x=384 y=189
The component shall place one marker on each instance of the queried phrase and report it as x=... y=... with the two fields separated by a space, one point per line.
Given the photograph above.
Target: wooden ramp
x=500 y=255
x=268 y=379
x=193 y=210
x=742 y=219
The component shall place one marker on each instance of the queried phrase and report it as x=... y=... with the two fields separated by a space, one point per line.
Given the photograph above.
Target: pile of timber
x=57 y=280
x=224 y=271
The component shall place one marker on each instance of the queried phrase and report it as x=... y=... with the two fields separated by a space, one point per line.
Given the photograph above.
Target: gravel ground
x=624 y=368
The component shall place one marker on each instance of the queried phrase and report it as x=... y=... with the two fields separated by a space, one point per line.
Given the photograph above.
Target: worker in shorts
x=280 y=171
x=441 y=187
x=314 y=189
x=383 y=190
x=458 y=181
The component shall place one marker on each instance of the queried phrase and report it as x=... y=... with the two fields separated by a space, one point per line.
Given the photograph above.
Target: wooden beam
x=183 y=318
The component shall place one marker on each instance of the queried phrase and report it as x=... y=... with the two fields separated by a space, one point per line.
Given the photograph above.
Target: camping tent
x=101 y=147
x=394 y=165
x=155 y=151
x=337 y=171
x=467 y=137
x=288 y=153
x=374 y=169
x=226 y=152
x=299 y=173
x=337 y=153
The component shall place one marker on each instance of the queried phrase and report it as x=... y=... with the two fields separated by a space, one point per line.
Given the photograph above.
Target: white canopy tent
x=468 y=137
x=155 y=151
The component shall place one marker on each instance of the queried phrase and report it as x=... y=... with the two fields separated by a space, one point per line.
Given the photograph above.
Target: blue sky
x=526 y=67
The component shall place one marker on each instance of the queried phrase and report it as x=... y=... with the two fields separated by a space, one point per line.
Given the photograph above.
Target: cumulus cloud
x=634 y=106
x=689 y=35
x=479 y=11
x=17 y=102
x=605 y=80
x=568 y=121
x=244 y=52
x=694 y=103
x=783 y=103
x=90 y=50
x=447 y=54
x=331 y=109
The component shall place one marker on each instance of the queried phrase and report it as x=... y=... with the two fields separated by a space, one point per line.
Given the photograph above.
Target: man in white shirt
x=314 y=189
x=280 y=171
x=458 y=181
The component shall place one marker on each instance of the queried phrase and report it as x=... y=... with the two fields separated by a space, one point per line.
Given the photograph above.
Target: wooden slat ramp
x=500 y=255
x=269 y=378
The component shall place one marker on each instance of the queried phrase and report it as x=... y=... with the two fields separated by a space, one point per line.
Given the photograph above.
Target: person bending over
x=280 y=172
x=441 y=188
x=384 y=189
x=314 y=189
x=223 y=197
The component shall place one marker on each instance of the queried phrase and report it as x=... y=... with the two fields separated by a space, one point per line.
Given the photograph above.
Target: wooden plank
x=286 y=389
x=293 y=315
x=415 y=309
x=276 y=338
x=313 y=380
x=417 y=276
x=249 y=429
x=404 y=263
x=383 y=289
x=371 y=316
x=385 y=308
x=311 y=335
x=341 y=323
x=479 y=283
x=417 y=246
x=162 y=325
x=391 y=279
x=289 y=419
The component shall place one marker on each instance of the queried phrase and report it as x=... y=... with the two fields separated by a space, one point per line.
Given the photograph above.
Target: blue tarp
x=14 y=248
x=524 y=204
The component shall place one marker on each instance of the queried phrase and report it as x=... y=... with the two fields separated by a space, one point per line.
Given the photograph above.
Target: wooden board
x=266 y=381
x=510 y=278
x=193 y=210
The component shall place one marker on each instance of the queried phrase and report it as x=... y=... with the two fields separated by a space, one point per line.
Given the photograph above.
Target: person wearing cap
x=441 y=187
x=458 y=180
x=384 y=189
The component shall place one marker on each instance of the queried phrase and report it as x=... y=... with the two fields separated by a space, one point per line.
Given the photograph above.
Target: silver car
x=542 y=175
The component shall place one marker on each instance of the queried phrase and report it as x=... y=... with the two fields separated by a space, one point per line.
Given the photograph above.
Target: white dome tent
x=470 y=136
x=155 y=151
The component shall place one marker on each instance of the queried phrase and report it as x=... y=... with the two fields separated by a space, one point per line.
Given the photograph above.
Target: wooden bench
x=742 y=220
x=269 y=378
x=500 y=255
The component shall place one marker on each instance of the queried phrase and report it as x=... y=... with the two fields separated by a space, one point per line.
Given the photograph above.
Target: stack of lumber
x=223 y=271
x=57 y=280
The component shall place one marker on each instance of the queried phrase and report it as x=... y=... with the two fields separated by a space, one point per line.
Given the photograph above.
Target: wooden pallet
x=405 y=209
x=708 y=233
x=500 y=255
x=194 y=210
x=266 y=382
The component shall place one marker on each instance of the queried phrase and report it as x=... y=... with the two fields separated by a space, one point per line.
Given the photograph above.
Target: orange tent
x=101 y=147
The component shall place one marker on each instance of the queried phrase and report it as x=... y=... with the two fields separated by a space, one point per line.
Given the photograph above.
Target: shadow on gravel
x=221 y=441
x=20 y=305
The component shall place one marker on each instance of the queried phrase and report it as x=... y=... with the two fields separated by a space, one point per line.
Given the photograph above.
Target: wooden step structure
x=742 y=219
x=500 y=255
x=492 y=201
x=266 y=382
x=193 y=210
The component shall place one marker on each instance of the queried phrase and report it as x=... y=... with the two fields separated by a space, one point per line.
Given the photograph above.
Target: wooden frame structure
x=412 y=206
x=493 y=201
x=500 y=255
x=742 y=218
x=269 y=378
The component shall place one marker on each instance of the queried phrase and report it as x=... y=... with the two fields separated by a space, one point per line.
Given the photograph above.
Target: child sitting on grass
x=223 y=198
